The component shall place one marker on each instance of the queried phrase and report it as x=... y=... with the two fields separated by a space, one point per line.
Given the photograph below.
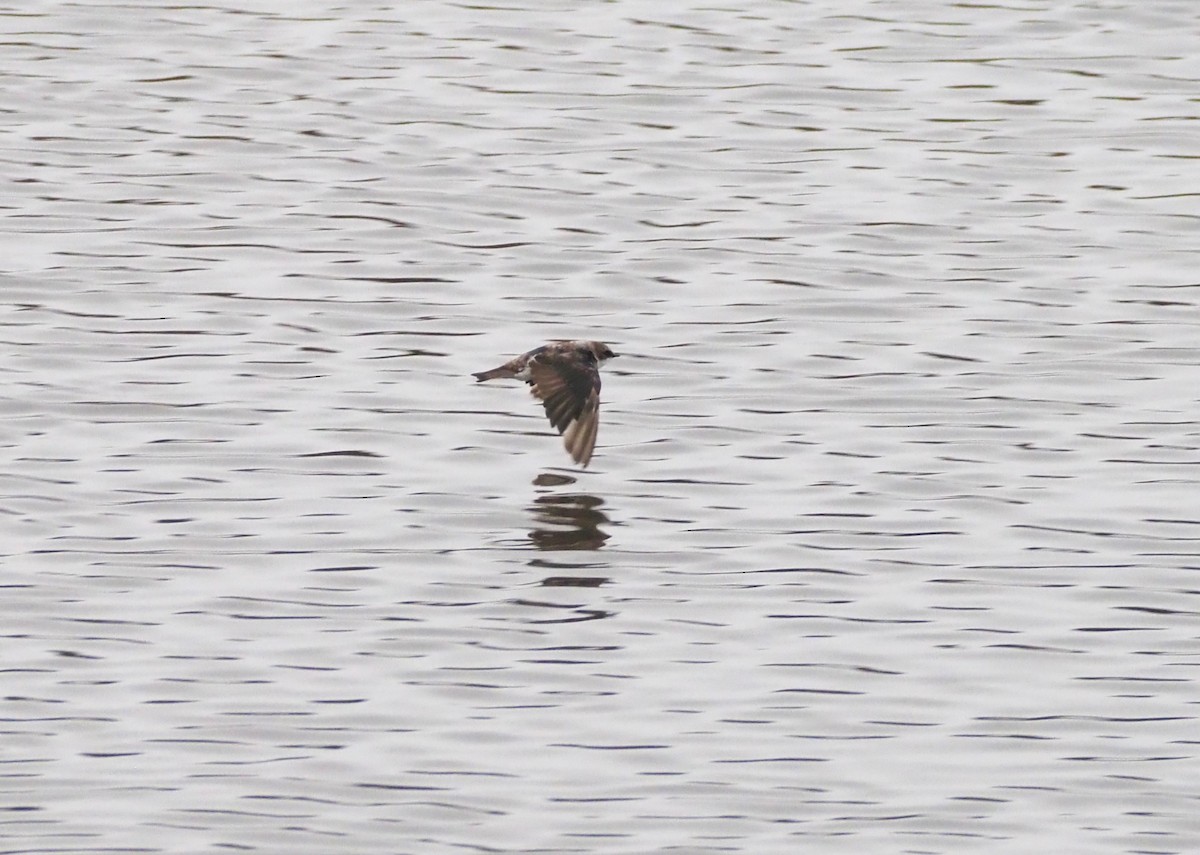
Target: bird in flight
x=565 y=377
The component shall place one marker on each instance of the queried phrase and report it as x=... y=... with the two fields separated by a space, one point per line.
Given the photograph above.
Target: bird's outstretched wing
x=570 y=393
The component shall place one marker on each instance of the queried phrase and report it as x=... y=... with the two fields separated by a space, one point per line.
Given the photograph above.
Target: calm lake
x=891 y=540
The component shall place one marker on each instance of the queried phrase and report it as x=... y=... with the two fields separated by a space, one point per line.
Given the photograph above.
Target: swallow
x=565 y=377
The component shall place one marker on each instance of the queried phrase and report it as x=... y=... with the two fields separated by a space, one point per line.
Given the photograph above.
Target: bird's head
x=601 y=351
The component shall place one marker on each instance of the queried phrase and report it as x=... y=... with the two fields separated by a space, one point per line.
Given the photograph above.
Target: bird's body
x=565 y=376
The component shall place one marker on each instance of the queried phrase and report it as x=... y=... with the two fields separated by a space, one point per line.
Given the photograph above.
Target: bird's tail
x=494 y=374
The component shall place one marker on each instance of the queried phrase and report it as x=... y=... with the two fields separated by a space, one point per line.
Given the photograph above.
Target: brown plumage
x=565 y=376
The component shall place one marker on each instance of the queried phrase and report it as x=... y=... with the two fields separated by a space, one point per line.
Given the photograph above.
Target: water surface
x=890 y=540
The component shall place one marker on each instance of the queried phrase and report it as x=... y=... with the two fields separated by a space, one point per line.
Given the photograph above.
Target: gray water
x=891 y=542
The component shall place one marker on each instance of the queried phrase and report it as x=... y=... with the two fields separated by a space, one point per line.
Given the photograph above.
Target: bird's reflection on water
x=567 y=522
